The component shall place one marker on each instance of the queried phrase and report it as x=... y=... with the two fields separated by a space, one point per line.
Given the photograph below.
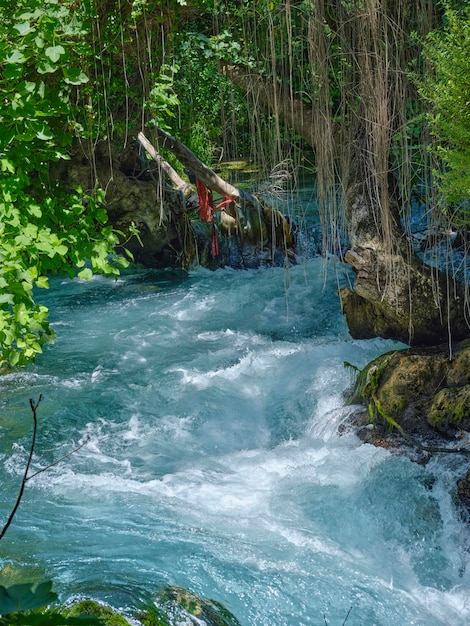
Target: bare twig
x=34 y=406
x=347 y=615
x=60 y=459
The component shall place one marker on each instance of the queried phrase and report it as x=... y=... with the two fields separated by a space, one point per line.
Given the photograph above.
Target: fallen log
x=261 y=229
x=204 y=173
x=178 y=183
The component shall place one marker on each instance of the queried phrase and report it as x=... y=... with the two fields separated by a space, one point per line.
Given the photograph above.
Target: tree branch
x=59 y=459
x=202 y=172
x=34 y=406
x=178 y=183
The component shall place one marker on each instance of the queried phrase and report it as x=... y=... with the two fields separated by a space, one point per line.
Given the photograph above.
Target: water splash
x=213 y=402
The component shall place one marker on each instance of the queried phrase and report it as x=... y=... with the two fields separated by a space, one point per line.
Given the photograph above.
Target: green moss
x=367 y=391
x=153 y=616
x=89 y=607
x=451 y=407
x=178 y=602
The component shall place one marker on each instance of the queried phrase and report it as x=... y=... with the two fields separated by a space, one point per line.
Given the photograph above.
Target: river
x=212 y=402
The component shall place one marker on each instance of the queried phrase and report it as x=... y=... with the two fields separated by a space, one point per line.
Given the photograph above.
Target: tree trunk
x=260 y=227
x=395 y=294
x=178 y=183
x=202 y=172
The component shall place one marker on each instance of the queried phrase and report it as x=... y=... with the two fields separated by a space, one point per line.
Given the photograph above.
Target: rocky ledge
x=418 y=399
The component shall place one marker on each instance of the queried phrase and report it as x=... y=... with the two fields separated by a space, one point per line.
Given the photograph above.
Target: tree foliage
x=44 y=227
x=98 y=69
x=446 y=88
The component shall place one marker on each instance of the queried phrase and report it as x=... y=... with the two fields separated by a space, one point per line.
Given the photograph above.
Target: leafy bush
x=19 y=604
x=43 y=227
x=447 y=89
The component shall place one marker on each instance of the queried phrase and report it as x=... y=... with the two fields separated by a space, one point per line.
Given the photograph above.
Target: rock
x=91 y=608
x=421 y=390
x=463 y=494
x=396 y=295
x=451 y=408
x=417 y=397
x=175 y=606
x=459 y=372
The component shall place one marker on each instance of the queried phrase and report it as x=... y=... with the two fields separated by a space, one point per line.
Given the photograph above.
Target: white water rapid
x=212 y=402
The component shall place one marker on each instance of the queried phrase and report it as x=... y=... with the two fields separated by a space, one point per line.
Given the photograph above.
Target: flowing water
x=212 y=403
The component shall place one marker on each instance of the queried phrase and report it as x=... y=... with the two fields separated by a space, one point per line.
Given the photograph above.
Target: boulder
x=90 y=608
x=172 y=606
x=175 y=606
x=419 y=390
x=418 y=397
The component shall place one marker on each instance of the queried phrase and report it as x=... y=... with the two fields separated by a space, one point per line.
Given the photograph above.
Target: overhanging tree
x=44 y=227
x=333 y=75
x=339 y=73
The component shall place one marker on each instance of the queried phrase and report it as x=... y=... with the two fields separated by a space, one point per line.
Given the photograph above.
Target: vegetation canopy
x=339 y=88
x=44 y=227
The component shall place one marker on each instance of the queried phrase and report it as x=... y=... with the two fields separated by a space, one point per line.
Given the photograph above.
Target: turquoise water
x=212 y=402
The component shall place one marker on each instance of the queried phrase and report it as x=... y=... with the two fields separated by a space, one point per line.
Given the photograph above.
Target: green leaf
x=43 y=135
x=45 y=67
x=35 y=210
x=16 y=57
x=24 y=597
x=6 y=298
x=85 y=274
x=54 y=52
x=13 y=358
x=7 y=165
x=42 y=282
x=74 y=76
x=61 y=249
x=24 y=28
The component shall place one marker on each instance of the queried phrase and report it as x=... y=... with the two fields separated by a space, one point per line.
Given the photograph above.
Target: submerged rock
x=175 y=606
x=91 y=608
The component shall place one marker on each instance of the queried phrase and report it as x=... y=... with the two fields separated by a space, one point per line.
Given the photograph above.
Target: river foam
x=212 y=403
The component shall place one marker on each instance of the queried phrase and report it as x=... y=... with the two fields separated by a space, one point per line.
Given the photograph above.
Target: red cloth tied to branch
x=205 y=202
x=214 y=241
x=206 y=211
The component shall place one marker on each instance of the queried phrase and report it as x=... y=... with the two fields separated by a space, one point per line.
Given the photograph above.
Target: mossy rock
x=421 y=390
x=91 y=608
x=176 y=606
x=451 y=407
x=459 y=368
